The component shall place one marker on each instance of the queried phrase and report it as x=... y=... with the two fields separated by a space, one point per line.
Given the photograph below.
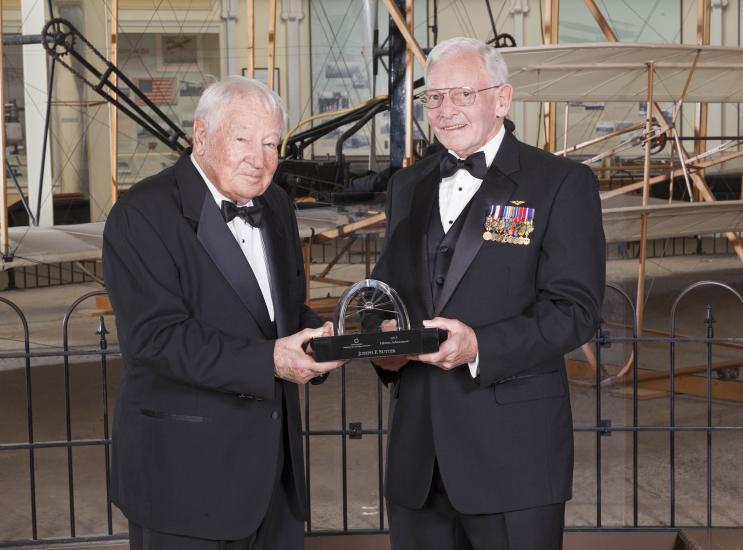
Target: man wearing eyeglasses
x=501 y=245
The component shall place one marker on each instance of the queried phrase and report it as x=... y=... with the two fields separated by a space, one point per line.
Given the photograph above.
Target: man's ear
x=505 y=95
x=199 y=136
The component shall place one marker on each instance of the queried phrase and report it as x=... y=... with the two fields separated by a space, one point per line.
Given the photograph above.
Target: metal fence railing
x=333 y=425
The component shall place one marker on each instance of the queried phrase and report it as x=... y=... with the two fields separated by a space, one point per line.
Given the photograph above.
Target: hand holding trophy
x=357 y=322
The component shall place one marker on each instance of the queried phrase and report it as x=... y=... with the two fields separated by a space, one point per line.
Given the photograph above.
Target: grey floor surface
x=45 y=308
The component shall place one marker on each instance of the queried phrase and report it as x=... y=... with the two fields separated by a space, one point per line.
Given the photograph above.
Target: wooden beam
x=410 y=40
x=677 y=109
x=601 y=20
x=332 y=281
x=113 y=111
x=657 y=332
x=408 y=159
x=704 y=12
x=634 y=186
x=307 y=256
x=651 y=387
x=685 y=371
x=332 y=263
x=644 y=216
x=271 y=42
x=599 y=139
x=4 y=238
x=551 y=36
x=727 y=390
x=250 y=21
x=697 y=177
x=351 y=227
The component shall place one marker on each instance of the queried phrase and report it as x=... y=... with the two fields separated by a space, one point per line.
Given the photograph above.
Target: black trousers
x=438 y=525
x=281 y=529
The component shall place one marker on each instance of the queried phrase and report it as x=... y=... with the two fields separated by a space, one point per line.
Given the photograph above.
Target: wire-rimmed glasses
x=461 y=97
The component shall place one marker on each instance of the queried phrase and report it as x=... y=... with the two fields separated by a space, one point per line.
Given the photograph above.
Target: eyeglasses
x=461 y=97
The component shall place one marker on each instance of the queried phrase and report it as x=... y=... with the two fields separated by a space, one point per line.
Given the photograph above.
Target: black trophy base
x=377 y=344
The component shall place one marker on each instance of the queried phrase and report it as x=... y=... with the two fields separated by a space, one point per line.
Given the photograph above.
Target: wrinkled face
x=465 y=129
x=239 y=155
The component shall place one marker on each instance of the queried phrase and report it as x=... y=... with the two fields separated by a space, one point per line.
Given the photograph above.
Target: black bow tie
x=250 y=214
x=474 y=164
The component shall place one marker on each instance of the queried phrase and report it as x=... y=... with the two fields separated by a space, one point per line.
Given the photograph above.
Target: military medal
x=491 y=222
x=509 y=224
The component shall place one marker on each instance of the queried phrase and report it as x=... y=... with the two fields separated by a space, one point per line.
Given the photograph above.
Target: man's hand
x=293 y=363
x=396 y=362
x=459 y=348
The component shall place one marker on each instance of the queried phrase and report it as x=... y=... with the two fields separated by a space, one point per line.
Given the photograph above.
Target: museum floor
x=45 y=308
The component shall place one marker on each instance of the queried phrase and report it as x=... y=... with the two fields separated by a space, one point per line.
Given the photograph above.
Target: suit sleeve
x=156 y=328
x=569 y=287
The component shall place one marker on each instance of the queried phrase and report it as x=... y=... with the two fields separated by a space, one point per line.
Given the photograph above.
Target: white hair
x=219 y=94
x=494 y=63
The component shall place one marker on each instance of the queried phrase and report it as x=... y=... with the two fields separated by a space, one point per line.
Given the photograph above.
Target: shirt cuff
x=474 y=366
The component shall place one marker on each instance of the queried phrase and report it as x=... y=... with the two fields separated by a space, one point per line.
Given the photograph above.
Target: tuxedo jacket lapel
x=273 y=238
x=422 y=208
x=496 y=188
x=227 y=255
x=201 y=211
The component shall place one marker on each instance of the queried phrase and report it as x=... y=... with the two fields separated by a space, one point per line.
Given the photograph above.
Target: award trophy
x=358 y=315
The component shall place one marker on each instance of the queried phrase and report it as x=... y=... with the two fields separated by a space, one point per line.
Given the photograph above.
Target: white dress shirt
x=456 y=191
x=250 y=241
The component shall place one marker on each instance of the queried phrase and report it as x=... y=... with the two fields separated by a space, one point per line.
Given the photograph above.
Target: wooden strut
x=408 y=159
x=599 y=139
x=619 y=379
x=640 y=302
x=349 y=228
x=602 y=22
x=550 y=36
x=332 y=263
x=703 y=30
x=113 y=112
x=683 y=371
x=402 y=26
x=307 y=256
x=658 y=332
x=704 y=16
x=342 y=231
x=700 y=185
x=250 y=21
x=271 y=43
x=634 y=186
x=4 y=237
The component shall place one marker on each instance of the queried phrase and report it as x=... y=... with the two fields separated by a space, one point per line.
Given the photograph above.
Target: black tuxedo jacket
x=503 y=441
x=198 y=425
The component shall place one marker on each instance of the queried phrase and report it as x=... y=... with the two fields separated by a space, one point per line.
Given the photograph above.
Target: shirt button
x=275 y=415
x=460 y=188
x=439 y=281
x=450 y=222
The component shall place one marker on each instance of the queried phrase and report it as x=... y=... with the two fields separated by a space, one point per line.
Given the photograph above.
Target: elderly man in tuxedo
x=205 y=273
x=501 y=245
